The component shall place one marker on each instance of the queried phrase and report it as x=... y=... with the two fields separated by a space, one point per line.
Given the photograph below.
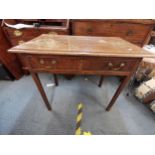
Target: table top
x=80 y=45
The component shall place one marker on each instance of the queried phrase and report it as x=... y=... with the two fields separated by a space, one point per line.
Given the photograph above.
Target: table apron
x=115 y=66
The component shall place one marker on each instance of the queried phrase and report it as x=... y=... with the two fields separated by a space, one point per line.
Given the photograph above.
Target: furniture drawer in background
x=19 y=36
x=133 y=32
x=47 y=26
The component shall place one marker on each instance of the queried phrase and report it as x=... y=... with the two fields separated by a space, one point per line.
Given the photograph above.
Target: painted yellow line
x=87 y=133
x=80 y=106
x=78 y=121
x=78 y=131
x=79 y=117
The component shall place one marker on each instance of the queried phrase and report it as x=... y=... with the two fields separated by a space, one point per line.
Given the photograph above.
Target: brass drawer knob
x=110 y=64
x=122 y=64
x=53 y=33
x=116 y=68
x=17 y=33
x=20 y=42
x=54 y=62
x=42 y=61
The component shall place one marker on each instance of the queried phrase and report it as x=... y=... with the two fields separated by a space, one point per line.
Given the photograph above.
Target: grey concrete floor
x=22 y=110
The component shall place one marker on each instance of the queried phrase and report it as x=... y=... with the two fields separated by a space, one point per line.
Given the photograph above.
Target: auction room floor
x=22 y=110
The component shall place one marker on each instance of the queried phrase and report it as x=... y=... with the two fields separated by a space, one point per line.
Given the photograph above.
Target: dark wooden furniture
x=43 y=26
x=16 y=36
x=60 y=54
x=136 y=31
x=10 y=61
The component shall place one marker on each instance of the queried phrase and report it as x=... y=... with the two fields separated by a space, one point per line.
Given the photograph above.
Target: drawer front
x=79 y=64
x=19 y=36
x=108 y=64
x=135 y=33
x=55 y=62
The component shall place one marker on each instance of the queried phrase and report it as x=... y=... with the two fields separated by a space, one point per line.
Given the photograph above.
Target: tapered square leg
x=101 y=81
x=41 y=90
x=55 y=79
x=118 y=91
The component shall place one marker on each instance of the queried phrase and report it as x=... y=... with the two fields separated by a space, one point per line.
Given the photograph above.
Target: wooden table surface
x=81 y=45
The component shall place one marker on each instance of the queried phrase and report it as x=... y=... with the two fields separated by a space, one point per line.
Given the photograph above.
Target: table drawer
x=77 y=63
x=55 y=62
x=108 y=64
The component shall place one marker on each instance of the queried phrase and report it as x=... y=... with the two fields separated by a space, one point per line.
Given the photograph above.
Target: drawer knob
x=110 y=64
x=17 y=33
x=122 y=64
x=54 y=62
x=42 y=61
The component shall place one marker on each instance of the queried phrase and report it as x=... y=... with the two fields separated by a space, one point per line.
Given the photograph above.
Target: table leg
x=41 y=90
x=118 y=91
x=101 y=81
x=55 y=79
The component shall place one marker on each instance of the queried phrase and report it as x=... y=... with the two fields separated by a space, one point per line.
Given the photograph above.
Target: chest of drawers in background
x=134 y=31
x=42 y=26
x=8 y=61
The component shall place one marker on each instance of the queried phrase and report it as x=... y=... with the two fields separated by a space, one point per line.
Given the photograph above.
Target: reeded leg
x=55 y=79
x=118 y=91
x=41 y=90
x=101 y=81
